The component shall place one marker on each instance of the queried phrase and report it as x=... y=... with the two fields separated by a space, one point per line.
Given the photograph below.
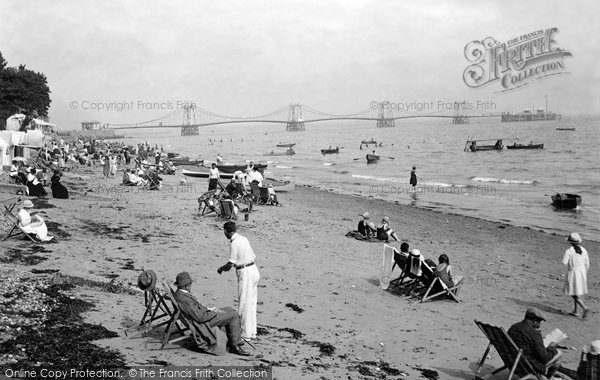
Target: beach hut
x=19 y=145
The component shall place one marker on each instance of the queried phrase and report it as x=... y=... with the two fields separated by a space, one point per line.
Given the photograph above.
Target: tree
x=22 y=90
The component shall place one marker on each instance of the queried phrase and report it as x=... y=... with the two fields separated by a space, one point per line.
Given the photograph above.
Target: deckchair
x=430 y=277
x=206 y=203
x=411 y=271
x=511 y=355
x=16 y=229
x=227 y=209
x=255 y=192
x=589 y=366
x=156 y=307
x=208 y=339
x=263 y=195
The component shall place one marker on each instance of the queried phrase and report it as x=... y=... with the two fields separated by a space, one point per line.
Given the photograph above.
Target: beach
x=344 y=325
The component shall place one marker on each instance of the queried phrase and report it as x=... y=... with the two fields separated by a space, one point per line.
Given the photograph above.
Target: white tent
x=13 y=123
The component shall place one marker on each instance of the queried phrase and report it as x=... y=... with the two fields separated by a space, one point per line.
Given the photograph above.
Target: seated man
x=194 y=310
x=232 y=189
x=401 y=258
x=366 y=227
x=527 y=336
x=14 y=171
x=272 y=196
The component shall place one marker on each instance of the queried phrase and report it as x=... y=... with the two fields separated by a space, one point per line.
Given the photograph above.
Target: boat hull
x=275 y=154
x=368 y=142
x=286 y=145
x=484 y=148
x=203 y=173
x=186 y=161
x=225 y=168
x=518 y=146
x=371 y=158
x=330 y=151
x=566 y=201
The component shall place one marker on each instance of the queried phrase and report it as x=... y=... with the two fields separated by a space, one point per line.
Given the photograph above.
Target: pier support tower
x=295 y=122
x=459 y=115
x=384 y=118
x=189 y=127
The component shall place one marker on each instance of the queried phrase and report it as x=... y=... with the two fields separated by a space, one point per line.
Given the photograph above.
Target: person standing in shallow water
x=413 y=177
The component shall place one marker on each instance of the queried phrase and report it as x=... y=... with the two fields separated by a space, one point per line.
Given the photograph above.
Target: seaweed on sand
x=15 y=255
x=65 y=339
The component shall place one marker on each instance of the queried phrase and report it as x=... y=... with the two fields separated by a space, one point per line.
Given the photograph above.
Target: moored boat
x=565 y=129
x=566 y=200
x=202 y=172
x=232 y=168
x=474 y=147
x=330 y=151
x=372 y=158
x=286 y=145
x=367 y=142
x=523 y=146
x=288 y=152
x=186 y=161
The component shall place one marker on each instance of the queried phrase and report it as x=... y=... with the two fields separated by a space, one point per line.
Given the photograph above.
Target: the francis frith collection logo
x=516 y=63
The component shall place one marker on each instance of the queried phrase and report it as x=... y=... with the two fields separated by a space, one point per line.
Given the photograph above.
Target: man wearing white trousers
x=242 y=258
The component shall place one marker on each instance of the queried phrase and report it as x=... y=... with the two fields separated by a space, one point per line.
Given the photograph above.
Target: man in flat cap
x=527 y=336
x=193 y=309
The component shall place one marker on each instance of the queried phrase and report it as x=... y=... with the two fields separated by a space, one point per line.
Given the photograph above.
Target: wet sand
x=344 y=324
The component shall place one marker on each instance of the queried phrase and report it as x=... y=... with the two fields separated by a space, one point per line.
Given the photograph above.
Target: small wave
x=382 y=179
x=283 y=167
x=503 y=180
x=329 y=163
x=441 y=184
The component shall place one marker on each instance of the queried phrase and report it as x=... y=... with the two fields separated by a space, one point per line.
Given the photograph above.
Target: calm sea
x=512 y=186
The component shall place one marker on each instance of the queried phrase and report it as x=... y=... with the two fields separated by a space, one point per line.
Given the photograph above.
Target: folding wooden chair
x=207 y=202
x=254 y=188
x=227 y=209
x=176 y=320
x=436 y=284
x=511 y=355
x=16 y=229
x=411 y=271
x=156 y=308
x=263 y=195
x=589 y=366
x=400 y=260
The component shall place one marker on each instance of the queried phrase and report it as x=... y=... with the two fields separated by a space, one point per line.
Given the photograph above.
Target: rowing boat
x=565 y=129
x=330 y=151
x=232 y=168
x=566 y=200
x=371 y=158
x=285 y=145
x=202 y=172
x=523 y=146
x=367 y=142
x=289 y=152
x=186 y=161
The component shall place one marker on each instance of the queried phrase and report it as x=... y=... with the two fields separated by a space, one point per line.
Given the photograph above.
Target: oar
x=359 y=158
x=392 y=158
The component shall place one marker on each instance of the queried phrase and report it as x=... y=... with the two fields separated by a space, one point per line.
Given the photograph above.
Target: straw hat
x=365 y=215
x=534 y=313
x=386 y=219
x=595 y=347
x=183 y=279
x=147 y=280
x=27 y=204
x=574 y=238
x=415 y=252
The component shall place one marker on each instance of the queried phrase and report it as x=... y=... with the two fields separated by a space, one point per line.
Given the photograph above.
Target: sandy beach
x=349 y=327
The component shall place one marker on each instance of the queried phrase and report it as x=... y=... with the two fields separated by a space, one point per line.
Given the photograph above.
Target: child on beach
x=384 y=230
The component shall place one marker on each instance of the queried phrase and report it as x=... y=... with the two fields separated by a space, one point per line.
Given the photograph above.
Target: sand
x=111 y=233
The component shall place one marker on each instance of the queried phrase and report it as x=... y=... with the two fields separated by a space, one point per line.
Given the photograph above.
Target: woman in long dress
x=106 y=166
x=58 y=189
x=32 y=224
x=578 y=263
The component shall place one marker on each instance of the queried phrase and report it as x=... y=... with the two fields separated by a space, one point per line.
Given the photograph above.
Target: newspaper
x=555 y=337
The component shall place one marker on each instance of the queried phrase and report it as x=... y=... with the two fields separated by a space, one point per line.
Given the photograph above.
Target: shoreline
x=306 y=260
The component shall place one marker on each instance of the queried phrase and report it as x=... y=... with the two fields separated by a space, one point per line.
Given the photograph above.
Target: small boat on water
x=330 y=151
x=288 y=152
x=371 y=158
x=367 y=142
x=566 y=200
x=232 y=168
x=523 y=146
x=565 y=129
x=472 y=146
x=285 y=145
x=202 y=172
x=186 y=161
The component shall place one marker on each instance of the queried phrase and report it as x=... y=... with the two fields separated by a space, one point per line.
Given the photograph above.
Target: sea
x=509 y=186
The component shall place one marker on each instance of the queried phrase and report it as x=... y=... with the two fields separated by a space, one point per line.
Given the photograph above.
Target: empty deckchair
x=227 y=209
x=437 y=285
x=16 y=229
x=207 y=203
x=511 y=355
x=208 y=339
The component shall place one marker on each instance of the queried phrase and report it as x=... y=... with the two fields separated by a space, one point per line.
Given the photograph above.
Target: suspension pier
x=385 y=119
x=189 y=126
x=459 y=115
x=295 y=122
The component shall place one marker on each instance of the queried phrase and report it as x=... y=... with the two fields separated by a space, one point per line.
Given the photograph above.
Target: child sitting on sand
x=272 y=196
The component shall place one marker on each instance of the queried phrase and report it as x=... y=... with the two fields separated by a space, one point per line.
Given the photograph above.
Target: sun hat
x=574 y=238
x=27 y=203
x=365 y=215
x=534 y=314
x=414 y=252
x=147 y=280
x=183 y=279
x=386 y=219
x=595 y=347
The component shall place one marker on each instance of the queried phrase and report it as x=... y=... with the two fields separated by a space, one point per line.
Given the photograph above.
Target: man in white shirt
x=255 y=176
x=213 y=177
x=242 y=258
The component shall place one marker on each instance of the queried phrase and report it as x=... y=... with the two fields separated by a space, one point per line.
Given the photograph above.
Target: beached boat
x=186 y=161
x=472 y=146
x=523 y=146
x=330 y=151
x=565 y=129
x=285 y=145
x=232 y=168
x=371 y=158
x=202 y=172
x=367 y=142
x=566 y=200
x=279 y=186
x=289 y=152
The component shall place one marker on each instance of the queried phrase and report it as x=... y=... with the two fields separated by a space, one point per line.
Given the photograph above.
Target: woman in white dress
x=578 y=263
x=32 y=224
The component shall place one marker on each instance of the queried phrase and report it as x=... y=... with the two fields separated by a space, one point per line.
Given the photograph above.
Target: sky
x=246 y=58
